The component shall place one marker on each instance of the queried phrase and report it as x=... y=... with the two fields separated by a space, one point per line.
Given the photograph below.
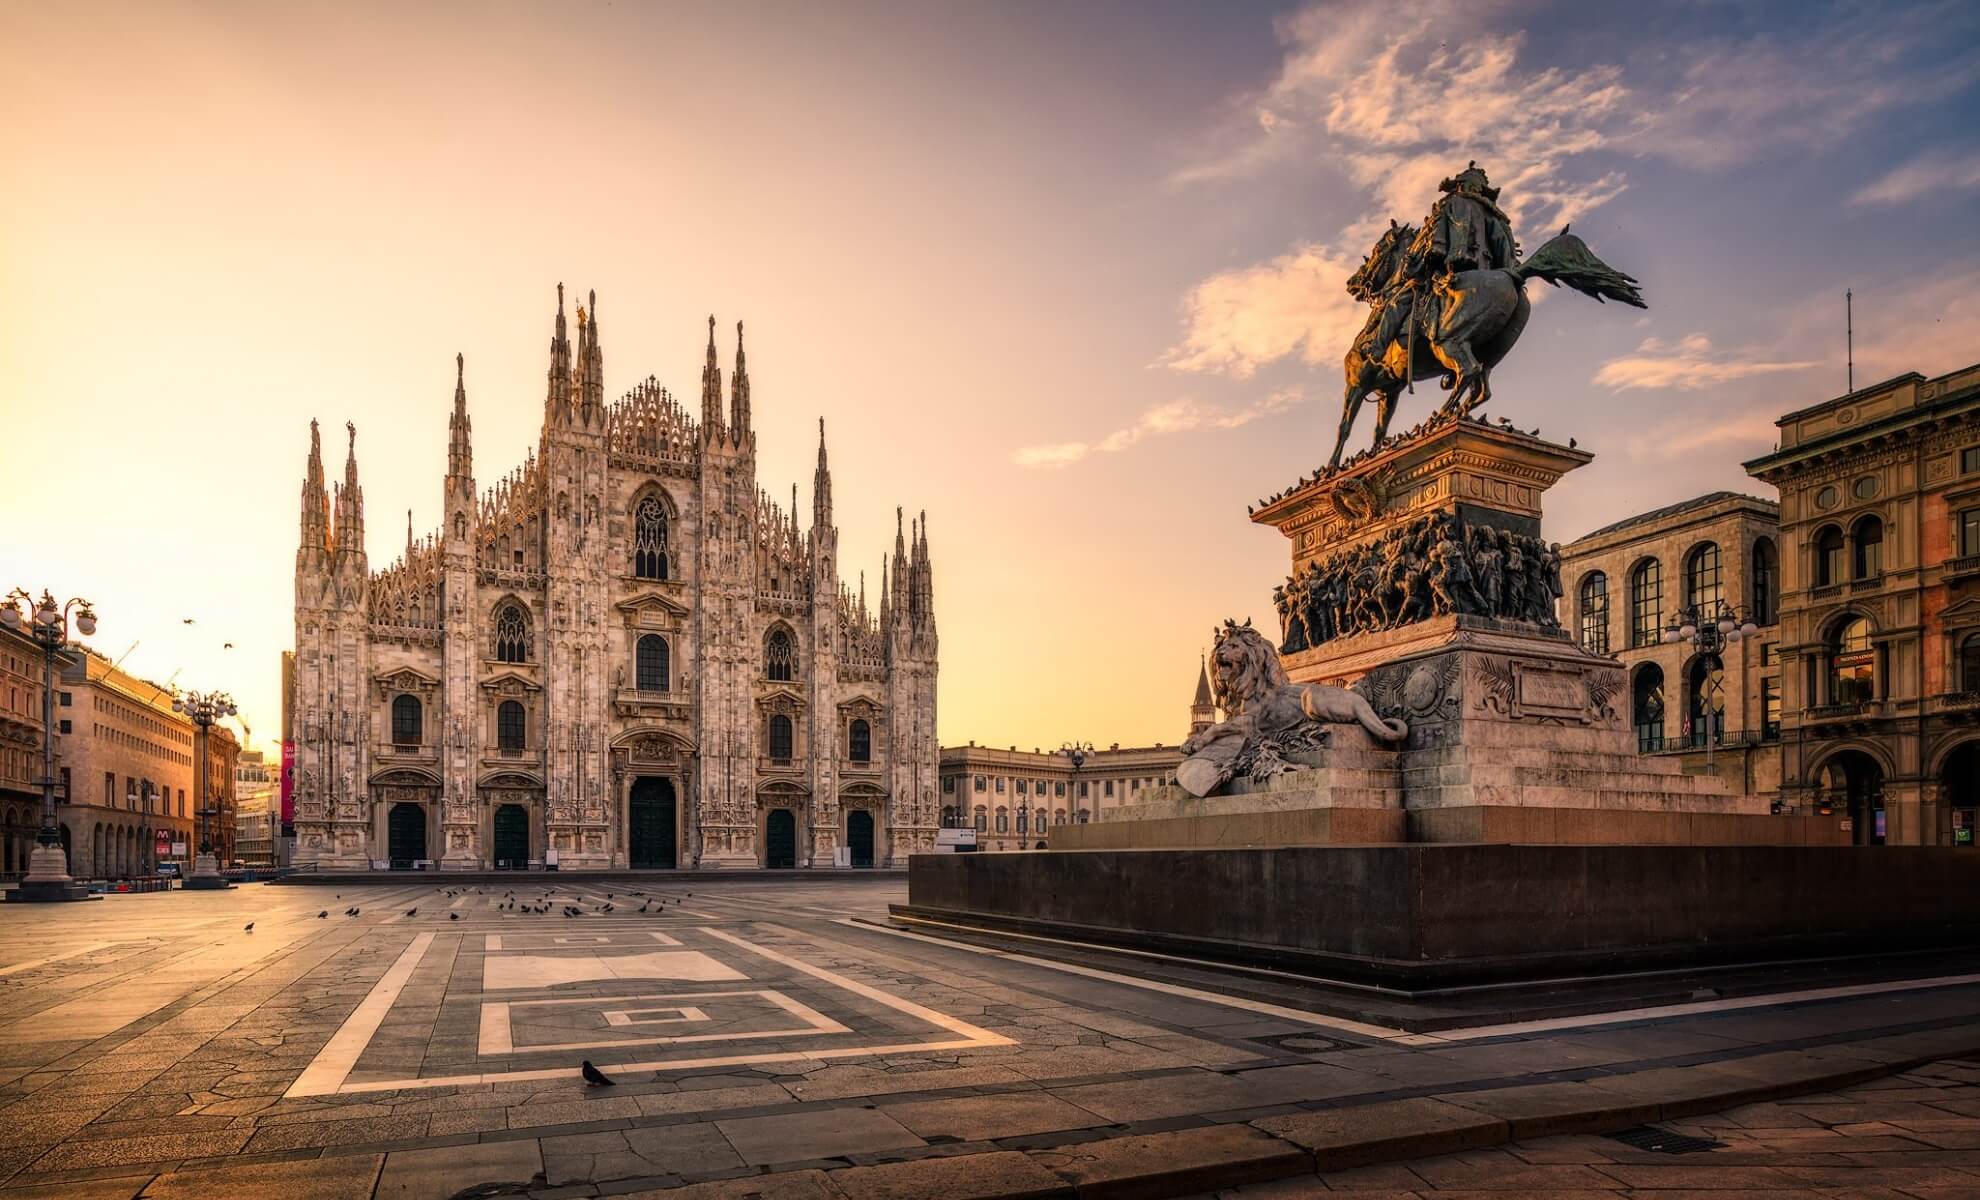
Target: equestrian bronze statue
x=1448 y=301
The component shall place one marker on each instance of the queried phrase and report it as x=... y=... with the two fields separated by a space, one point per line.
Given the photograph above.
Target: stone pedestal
x=48 y=879
x=206 y=875
x=1504 y=709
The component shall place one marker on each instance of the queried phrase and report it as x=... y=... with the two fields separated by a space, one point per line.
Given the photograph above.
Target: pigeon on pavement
x=593 y=1077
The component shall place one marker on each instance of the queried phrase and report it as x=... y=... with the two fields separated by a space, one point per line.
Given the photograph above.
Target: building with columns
x=1718 y=713
x=624 y=654
x=1013 y=797
x=1880 y=607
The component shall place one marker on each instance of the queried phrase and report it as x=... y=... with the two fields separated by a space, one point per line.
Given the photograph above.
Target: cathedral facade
x=624 y=654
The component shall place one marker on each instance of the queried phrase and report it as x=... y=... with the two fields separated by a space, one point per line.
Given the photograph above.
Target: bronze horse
x=1482 y=314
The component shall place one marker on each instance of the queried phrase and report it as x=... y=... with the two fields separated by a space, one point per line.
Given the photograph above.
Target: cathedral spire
x=1202 y=709
x=557 y=399
x=821 y=485
x=350 y=503
x=711 y=388
x=315 y=499
x=739 y=390
x=591 y=361
x=460 y=431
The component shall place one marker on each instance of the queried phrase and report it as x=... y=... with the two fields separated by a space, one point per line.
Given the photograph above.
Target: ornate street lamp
x=1077 y=753
x=203 y=709
x=1710 y=635
x=47 y=623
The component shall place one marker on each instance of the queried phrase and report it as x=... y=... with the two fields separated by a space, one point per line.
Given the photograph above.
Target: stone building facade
x=623 y=655
x=126 y=761
x=257 y=815
x=20 y=749
x=1013 y=797
x=1623 y=583
x=1880 y=607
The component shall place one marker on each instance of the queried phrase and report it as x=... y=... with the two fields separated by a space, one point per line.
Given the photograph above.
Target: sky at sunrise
x=1065 y=276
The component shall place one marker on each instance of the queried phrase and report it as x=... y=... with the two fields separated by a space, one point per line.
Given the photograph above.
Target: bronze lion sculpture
x=1267 y=717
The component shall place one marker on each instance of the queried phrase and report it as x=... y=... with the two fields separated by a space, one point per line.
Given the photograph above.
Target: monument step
x=1542 y=756
x=1581 y=797
x=1564 y=774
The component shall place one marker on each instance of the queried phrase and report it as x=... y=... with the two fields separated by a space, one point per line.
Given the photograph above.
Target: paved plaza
x=766 y=1039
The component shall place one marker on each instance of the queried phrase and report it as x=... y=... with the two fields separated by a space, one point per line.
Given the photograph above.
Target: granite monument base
x=1425 y=917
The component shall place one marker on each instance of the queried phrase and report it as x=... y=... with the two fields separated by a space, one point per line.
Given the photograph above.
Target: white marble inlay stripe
x=326 y=1072
x=498 y=1032
x=92 y=947
x=542 y=970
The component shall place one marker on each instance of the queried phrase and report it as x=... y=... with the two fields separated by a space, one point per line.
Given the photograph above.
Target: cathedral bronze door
x=859 y=837
x=511 y=838
x=780 y=838
x=650 y=823
x=405 y=836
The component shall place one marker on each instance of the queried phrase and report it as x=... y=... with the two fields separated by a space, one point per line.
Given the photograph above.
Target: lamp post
x=1710 y=635
x=1076 y=753
x=203 y=709
x=47 y=623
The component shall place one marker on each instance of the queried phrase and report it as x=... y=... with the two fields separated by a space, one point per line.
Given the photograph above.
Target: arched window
x=1852 y=664
x=1595 y=612
x=1704 y=701
x=860 y=742
x=1646 y=603
x=406 y=721
x=780 y=655
x=1869 y=538
x=1969 y=663
x=1828 y=556
x=780 y=738
x=509 y=725
x=1084 y=816
x=650 y=539
x=1766 y=582
x=1704 y=586
x=511 y=634
x=1647 y=707
x=1003 y=821
x=650 y=672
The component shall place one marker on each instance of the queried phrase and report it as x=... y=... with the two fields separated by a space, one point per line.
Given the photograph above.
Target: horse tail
x=1568 y=260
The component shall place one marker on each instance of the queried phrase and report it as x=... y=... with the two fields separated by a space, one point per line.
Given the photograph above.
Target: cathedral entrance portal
x=859 y=837
x=780 y=838
x=511 y=838
x=651 y=825
x=406 y=835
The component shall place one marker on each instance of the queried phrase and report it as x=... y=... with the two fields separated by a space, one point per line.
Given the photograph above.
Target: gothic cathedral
x=623 y=655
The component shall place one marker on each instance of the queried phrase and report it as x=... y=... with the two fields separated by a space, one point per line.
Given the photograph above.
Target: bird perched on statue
x=593 y=1077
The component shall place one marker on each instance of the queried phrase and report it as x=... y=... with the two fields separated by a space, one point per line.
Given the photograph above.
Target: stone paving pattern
x=149 y=1046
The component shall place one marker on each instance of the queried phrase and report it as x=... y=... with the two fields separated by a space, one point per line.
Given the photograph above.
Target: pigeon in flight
x=413 y=911
x=453 y=916
x=325 y=913
x=249 y=928
x=593 y=1077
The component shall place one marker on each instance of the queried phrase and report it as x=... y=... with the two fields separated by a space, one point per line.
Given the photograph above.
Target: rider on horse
x=1466 y=231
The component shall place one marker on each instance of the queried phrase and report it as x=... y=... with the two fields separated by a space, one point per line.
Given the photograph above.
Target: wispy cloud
x=1378 y=89
x=1688 y=364
x=1810 y=85
x=1933 y=171
x=1177 y=416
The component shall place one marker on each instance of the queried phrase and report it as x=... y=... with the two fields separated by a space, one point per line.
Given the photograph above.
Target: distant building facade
x=1013 y=797
x=20 y=749
x=625 y=654
x=1880 y=607
x=126 y=764
x=257 y=820
x=1623 y=583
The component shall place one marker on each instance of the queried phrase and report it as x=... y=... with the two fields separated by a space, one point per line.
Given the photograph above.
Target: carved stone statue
x=1449 y=301
x=1269 y=718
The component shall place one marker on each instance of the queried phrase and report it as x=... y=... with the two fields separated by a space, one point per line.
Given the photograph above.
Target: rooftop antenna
x=1849 y=337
